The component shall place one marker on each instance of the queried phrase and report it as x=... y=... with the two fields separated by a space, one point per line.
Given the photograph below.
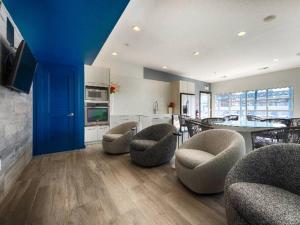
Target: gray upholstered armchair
x=203 y=161
x=264 y=187
x=153 y=146
x=117 y=140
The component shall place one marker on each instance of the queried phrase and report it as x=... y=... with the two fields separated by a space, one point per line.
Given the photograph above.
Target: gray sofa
x=117 y=140
x=153 y=146
x=203 y=161
x=264 y=187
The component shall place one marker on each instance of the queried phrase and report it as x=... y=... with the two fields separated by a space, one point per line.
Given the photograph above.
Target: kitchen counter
x=143 y=120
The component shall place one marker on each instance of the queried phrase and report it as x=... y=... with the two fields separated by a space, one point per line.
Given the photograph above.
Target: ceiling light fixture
x=114 y=53
x=275 y=60
x=196 y=53
x=242 y=34
x=165 y=67
x=269 y=18
x=136 y=28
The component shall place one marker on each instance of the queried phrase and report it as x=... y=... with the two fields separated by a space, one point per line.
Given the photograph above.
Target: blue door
x=55 y=109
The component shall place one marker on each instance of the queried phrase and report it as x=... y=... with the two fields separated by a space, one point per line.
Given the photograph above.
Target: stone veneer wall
x=15 y=126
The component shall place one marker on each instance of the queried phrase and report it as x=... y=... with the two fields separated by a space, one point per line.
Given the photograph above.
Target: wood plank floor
x=89 y=187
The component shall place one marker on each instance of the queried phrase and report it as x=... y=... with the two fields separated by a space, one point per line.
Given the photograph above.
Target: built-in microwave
x=96 y=113
x=96 y=93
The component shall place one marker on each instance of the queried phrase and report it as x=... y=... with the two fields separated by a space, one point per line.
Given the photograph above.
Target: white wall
x=269 y=80
x=136 y=95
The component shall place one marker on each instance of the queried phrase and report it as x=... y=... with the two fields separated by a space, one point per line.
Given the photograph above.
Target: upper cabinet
x=178 y=87
x=186 y=87
x=96 y=76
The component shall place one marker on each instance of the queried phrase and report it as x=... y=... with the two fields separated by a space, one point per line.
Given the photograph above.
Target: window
x=222 y=105
x=238 y=104
x=261 y=104
x=280 y=102
x=205 y=102
x=267 y=103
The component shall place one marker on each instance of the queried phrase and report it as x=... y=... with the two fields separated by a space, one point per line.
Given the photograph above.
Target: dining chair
x=183 y=127
x=253 y=118
x=275 y=136
x=286 y=122
x=176 y=124
x=231 y=117
x=195 y=127
x=295 y=122
x=213 y=120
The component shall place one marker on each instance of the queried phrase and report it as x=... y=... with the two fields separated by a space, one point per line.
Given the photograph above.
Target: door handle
x=71 y=114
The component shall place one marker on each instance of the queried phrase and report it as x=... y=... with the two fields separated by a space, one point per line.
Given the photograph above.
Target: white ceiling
x=173 y=29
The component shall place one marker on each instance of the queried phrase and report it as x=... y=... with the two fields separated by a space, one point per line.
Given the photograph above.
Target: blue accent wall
x=62 y=33
x=68 y=32
x=41 y=130
x=79 y=108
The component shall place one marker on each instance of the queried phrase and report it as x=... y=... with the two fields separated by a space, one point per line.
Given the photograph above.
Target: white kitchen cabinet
x=95 y=133
x=143 y=120
x=182 y=86
x=101 y=131
x=186 y=87
x=146 y=121
x=116 y=120
x=91 y=134
x=191 y=89
x=98 y=76
x=178 y=87
x=161 y=119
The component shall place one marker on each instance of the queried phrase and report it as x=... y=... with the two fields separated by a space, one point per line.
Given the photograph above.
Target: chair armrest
x=134 y=130
x=167 y=143
x=177 y=133
x=269 y=165
x=194 y=142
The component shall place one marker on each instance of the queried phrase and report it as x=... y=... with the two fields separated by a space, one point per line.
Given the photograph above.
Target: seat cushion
x=142 y=145
x=191 y=158
x=111 y=137
x=263 y=204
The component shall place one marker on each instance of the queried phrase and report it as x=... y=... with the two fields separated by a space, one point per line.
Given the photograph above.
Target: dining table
x=245 y=127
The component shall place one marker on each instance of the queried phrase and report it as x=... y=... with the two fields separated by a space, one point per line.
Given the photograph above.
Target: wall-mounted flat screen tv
x=23 y=70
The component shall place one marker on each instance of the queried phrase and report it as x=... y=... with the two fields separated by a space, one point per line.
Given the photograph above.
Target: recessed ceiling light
x=196 y=53
x=165 y=67
x=136 y=28
x=114 y=53
x=242 y=34
x=269 y=18
x=275 y=60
